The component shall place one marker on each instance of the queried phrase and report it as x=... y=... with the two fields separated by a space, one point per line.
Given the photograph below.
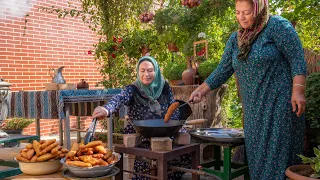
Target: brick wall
x=48 y=42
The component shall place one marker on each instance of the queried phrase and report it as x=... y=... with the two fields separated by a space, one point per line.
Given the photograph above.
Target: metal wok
x=158 y=128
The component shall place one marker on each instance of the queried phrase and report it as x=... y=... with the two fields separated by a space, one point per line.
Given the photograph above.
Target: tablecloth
x=50 y=104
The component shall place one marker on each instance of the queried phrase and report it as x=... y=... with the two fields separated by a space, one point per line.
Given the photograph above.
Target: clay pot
x=189 y=74
x=82 y=84
x=292 y=172
x=172 y=47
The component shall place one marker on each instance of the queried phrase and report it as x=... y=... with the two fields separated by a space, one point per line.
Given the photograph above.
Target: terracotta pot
x=172 y=47
x=176 y=82
x=188 y=75
x=144 y=50
x=293 y=172
x=82 y=84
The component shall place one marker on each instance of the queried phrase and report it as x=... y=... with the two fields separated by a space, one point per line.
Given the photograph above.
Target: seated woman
x=147 y=98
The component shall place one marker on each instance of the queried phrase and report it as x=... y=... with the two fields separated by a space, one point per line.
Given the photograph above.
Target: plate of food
x=90 y=160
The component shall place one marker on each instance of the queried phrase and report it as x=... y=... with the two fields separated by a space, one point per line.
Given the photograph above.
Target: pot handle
x=196 y=121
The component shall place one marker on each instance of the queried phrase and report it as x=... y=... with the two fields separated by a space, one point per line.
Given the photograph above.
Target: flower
x=115 y=47
x=119 y=40
x=89 y=52
x=202 y=35
x=114 y=39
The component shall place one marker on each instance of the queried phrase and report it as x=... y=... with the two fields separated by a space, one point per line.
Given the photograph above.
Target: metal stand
x=227 y=165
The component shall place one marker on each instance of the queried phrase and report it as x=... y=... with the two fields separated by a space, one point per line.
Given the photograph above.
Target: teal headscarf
x=154 y=90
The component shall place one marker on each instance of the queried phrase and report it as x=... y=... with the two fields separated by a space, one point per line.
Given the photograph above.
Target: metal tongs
x=90 y=133
x=189 y=101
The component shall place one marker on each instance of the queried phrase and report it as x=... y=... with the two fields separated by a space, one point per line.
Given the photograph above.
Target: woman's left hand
x=298 y=101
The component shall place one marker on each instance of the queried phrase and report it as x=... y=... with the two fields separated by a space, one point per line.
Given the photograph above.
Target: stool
x=230 y=170
x=162 y=159
x=15 y=170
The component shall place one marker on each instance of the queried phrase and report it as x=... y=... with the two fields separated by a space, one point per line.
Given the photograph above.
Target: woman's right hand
x=195 y=97
x=100 y=113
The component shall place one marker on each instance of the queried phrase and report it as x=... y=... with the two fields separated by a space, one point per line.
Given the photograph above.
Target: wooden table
x=10 y=153
x=162 y=159
x=57 y=105
x=54 y=176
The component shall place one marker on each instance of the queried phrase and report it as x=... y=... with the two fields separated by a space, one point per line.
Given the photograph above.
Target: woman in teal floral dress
x=267 y=57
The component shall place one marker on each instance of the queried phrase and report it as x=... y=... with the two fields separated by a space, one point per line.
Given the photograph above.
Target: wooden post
x=78 y=127
x=38 y=127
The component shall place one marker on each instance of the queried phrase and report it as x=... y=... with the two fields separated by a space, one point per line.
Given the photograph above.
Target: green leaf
x=305 y=160
x=316 y=152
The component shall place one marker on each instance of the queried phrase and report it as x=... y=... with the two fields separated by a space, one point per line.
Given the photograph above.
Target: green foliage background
x=175 y=23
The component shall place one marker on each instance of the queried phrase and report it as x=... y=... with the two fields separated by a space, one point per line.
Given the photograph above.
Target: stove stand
x=161 y=158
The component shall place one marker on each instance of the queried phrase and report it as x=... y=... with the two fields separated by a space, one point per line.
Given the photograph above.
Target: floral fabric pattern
x=273 y=133
x=139 y=111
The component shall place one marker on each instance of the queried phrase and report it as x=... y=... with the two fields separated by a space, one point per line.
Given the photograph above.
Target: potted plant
x=173 y=72
x=306 y=172
x=16 y=125
x=206 y=68
x=138 y=43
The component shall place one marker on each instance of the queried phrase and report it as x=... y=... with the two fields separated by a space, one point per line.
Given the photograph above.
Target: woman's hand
x=195 y=97
x=100 y=113
x=298 y=102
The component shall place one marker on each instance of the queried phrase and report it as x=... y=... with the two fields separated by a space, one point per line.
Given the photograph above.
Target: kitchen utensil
x=158 y=128
x=220 y=135
x=90 y=172
x=90 y=133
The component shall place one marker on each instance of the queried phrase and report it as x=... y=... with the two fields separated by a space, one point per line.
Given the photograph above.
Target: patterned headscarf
x=154 y=90
x=247 y=36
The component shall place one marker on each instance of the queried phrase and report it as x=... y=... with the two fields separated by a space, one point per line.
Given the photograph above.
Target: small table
x=9 y=163
x=161 y=157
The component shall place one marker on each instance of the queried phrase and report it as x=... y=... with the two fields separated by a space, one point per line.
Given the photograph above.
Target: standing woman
x=267 y=57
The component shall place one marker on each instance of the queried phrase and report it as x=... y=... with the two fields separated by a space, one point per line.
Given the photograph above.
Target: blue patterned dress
x=273 y=133
x=130 y=97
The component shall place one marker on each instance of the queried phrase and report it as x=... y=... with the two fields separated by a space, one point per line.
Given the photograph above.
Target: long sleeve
x=119 y=100
x=289 y=45
x=224 y=70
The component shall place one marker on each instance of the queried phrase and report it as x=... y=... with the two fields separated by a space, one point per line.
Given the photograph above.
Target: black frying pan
x=158 y=128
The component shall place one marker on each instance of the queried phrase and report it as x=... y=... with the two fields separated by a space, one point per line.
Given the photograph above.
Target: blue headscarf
x=153 y=90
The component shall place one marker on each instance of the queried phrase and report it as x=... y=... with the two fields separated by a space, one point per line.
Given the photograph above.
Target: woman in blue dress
x=147 y=98
x=267 y=57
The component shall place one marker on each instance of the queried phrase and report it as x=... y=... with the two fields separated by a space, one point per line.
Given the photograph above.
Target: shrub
x=173 y=70
x=17 y=124
x=206 y=68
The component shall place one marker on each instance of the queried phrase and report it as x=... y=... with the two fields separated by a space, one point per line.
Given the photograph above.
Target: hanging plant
x=190 y=3
x=146 y=17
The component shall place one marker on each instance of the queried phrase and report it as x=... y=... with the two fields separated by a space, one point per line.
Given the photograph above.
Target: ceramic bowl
x=91 y=172
x=40 y=168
